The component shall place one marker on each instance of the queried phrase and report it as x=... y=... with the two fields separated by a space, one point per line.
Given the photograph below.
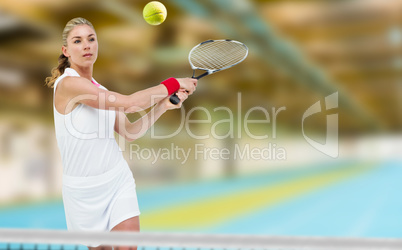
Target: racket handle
x=174 y=99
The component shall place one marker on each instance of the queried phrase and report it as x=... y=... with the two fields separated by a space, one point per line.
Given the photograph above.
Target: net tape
x=186 y=240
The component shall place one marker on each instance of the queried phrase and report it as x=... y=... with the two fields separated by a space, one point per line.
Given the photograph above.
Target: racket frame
x=174 y=98
x=210 y=71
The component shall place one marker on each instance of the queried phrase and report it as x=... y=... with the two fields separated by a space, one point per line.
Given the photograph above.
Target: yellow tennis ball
x=154 y=13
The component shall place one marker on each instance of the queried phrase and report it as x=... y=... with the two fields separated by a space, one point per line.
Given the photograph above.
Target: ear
x=64 y=50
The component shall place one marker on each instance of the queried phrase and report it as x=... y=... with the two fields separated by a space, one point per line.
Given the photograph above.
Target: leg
x=133 y=225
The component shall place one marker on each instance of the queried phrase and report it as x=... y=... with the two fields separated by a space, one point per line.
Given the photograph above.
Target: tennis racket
x=212 y=56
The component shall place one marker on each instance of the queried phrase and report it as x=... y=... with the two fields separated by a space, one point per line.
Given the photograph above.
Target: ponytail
x=57 y=71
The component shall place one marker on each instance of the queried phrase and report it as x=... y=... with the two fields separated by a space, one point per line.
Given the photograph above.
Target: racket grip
x=174 y=99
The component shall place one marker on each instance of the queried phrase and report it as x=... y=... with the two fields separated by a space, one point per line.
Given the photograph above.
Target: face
x=82 y=46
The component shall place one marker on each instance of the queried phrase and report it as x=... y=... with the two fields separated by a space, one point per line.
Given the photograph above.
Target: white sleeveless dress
x=98 y=186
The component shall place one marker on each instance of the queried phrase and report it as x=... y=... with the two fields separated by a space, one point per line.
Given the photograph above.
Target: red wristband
x=171 y=84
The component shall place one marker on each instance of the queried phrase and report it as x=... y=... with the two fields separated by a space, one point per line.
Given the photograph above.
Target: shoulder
x=73 y=80
x=74 y=83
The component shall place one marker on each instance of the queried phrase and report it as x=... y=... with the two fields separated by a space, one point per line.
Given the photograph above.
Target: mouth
x=87 y=55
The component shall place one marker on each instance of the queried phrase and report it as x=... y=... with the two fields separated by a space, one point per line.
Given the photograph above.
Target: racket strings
x=218 y=55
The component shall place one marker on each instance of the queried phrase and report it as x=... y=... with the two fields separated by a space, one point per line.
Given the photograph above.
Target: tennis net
x=11 y=239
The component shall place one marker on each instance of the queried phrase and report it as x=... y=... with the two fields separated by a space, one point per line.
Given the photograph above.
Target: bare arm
x=134 y=130
x=74 y=90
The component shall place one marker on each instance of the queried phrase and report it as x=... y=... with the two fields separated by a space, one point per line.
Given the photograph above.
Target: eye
x=92 y=39
x=77 y=41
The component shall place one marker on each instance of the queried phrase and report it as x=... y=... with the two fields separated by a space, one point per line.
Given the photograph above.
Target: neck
x=85 y=72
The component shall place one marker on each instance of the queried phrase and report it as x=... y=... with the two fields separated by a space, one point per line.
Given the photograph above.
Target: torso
x=85 y=135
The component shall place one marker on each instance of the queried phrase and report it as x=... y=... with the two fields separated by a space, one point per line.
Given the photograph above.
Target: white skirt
x=99 y=203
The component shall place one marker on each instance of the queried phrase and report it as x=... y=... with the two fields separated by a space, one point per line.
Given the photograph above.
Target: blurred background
x=300 y=53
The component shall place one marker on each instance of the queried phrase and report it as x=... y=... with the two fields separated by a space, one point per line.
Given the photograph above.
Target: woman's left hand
x=182 y=94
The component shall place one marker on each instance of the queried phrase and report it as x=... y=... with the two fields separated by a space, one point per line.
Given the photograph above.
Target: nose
x=86 y=45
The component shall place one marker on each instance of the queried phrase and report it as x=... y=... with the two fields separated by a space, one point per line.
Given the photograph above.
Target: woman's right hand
x=188 y=84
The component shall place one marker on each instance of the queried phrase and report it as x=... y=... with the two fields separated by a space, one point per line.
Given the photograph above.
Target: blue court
x=344 y=199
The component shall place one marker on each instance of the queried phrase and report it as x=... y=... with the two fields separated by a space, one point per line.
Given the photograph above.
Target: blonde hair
x=63 y=60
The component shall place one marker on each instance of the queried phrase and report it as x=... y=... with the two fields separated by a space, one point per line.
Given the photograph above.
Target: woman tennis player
x=98 y=186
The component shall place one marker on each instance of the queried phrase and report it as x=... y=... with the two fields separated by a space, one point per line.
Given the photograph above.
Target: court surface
x=346 y=198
